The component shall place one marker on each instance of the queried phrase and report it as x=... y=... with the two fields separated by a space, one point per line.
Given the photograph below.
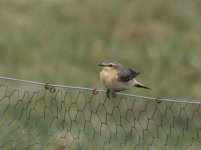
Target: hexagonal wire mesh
x=64 y=117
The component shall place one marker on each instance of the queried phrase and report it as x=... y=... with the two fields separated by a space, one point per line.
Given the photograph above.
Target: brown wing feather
x=127 y=74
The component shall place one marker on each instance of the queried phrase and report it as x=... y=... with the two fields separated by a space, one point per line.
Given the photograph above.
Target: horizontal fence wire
x=98 y=90
x=67 y=117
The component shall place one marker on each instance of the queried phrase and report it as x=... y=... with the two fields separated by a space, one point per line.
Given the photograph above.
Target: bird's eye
x=110 y=65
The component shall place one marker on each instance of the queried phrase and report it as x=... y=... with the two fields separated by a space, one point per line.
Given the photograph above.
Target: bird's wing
x=126 y=74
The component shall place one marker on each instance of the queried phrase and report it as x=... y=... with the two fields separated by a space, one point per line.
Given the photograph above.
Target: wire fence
x=61 y=117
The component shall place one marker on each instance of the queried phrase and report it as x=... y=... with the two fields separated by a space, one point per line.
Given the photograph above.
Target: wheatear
x=117 y=77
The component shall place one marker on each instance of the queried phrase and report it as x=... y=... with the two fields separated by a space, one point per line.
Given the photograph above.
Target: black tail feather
x=141 y=86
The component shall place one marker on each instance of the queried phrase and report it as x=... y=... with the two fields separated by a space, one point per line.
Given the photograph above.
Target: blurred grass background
x=61 y=42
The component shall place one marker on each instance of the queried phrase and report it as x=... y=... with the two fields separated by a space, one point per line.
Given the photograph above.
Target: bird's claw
x=114 y=94
x=111 y=92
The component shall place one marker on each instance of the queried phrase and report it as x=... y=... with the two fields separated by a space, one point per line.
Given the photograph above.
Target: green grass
x=62 y=42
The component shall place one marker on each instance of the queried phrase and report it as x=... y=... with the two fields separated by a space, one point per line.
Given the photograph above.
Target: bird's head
x=111 y=66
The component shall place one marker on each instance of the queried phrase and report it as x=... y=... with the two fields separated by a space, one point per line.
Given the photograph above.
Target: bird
x=117 y=77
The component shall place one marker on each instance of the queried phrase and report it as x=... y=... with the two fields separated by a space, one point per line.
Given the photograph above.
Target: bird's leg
x=108 y=93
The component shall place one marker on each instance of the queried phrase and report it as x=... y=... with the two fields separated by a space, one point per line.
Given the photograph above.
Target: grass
x=62 y=42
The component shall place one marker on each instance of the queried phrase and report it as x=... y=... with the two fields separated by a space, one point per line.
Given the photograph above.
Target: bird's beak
x=101 y=65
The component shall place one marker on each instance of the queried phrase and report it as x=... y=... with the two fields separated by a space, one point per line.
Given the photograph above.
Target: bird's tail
x=139 y=85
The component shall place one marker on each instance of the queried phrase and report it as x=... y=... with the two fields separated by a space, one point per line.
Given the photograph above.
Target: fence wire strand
x=67 y=117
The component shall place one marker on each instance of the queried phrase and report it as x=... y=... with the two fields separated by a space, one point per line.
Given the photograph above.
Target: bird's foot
x=111 y=92
x=114 y=94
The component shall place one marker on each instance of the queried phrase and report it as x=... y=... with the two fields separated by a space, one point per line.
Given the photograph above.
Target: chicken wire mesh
x=53 y=117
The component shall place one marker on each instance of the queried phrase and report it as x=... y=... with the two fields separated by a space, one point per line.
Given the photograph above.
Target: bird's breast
x=109 y=79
